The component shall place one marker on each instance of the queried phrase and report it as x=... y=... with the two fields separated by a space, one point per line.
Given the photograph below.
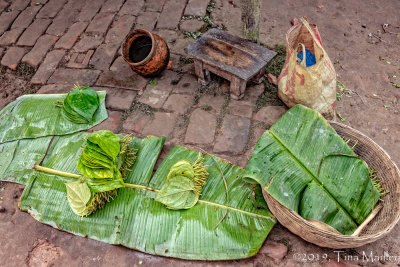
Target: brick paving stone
x=187 y=85
x=122 y=76
x=33 y=32
x=179 y=45
x=136 y=122
x=234 y=136
x=112 y=123
x=54 y=89
x=3 y=5
x=240 y=108
x=61 y=23
x=48 y=66
x=171 y=14
x=178 y=103
x=112 y=6
x=12 y=57
x=196 y=8
x=179 y=66
x=120 y=29
x=118 y=99
x=154 y=5
x=147 y=20
x=201 y=129
x=6 y=18
x=104 y=56
x=10 y=37
x=70 y=37
x=51 y=9
x=25 y=17
x=19 y=4
x=191 y=25
x=257 y=133
x=38 y=2
x=162 y=124
x=70 y=76
x=88 y=43
x=253 y=92
x=43 y=44
x=214 y=102
x=89 y=10
x=80 y=60
x=270 y=114
x=169 y=36
x=131 y=7
x=154 y=97
x=100 y=23
x=166 y=81
x=65 y=17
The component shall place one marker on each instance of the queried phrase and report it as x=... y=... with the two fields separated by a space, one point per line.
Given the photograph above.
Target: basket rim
x=313 y=230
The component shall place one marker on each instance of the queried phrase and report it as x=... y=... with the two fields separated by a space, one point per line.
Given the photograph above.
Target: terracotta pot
x=145 y=52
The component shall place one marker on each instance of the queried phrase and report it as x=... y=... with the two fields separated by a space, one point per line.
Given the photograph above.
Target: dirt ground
x=367 y=61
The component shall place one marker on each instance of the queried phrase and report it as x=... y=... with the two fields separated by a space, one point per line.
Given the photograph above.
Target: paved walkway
x=79 y=41
x=69 y=41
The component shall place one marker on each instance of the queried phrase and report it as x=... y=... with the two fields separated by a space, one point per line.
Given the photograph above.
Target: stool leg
x=200 y=72
x=258 y=78
x=238 y=86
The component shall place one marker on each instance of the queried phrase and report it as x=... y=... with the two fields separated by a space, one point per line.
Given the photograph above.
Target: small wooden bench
x=233 y=58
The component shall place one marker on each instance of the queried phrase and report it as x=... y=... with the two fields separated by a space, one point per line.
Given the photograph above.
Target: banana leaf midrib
x=311 y=175
x=150 y=189
x=146 y=188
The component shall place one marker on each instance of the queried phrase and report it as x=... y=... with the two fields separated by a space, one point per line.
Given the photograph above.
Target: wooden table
x=233 y=58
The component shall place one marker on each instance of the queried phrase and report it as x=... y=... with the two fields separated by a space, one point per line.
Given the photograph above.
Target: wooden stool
x=233 y=58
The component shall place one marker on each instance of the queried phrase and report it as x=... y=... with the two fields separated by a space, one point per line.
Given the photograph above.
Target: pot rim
x=124 y=47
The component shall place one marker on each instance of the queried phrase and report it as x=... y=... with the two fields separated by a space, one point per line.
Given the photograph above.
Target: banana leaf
x=19 y=157
x=33 y=116
x=305 y=165
x=135 y=220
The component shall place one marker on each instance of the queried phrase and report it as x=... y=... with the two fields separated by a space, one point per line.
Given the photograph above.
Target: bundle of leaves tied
x=80 y=104
x=183 y=185
x=105 y=161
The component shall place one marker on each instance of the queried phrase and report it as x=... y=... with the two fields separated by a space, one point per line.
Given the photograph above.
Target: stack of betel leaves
x=80 y=104
x=183 y=185
x=306 y=166
x=105 y=161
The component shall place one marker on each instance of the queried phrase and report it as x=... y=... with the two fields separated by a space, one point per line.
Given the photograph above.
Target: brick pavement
x=78 y=40
x=69 y=41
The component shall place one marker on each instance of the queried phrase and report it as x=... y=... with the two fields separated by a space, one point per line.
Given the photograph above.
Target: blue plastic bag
x=310 y=58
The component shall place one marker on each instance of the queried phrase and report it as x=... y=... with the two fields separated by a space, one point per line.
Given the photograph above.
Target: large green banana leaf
x=32 y=116
x=20 y=156
x=134 y=219
x=305 y=165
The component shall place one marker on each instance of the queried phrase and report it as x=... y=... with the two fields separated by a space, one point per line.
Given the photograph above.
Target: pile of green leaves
x=305 y=165
x=103 y=159
x=183 y=185
x=80 y=104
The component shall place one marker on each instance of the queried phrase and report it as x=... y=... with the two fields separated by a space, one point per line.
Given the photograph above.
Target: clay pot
x=145 y=52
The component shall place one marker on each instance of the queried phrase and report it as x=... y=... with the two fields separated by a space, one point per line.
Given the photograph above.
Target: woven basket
x=387 y=173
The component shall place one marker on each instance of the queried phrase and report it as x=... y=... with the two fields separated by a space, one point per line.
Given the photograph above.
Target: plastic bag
x=313 y=86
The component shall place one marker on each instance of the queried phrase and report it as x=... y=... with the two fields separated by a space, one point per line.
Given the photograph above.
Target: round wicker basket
x=378 y=227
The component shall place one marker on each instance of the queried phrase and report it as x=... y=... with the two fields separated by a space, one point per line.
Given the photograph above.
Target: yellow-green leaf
x=78 y=196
